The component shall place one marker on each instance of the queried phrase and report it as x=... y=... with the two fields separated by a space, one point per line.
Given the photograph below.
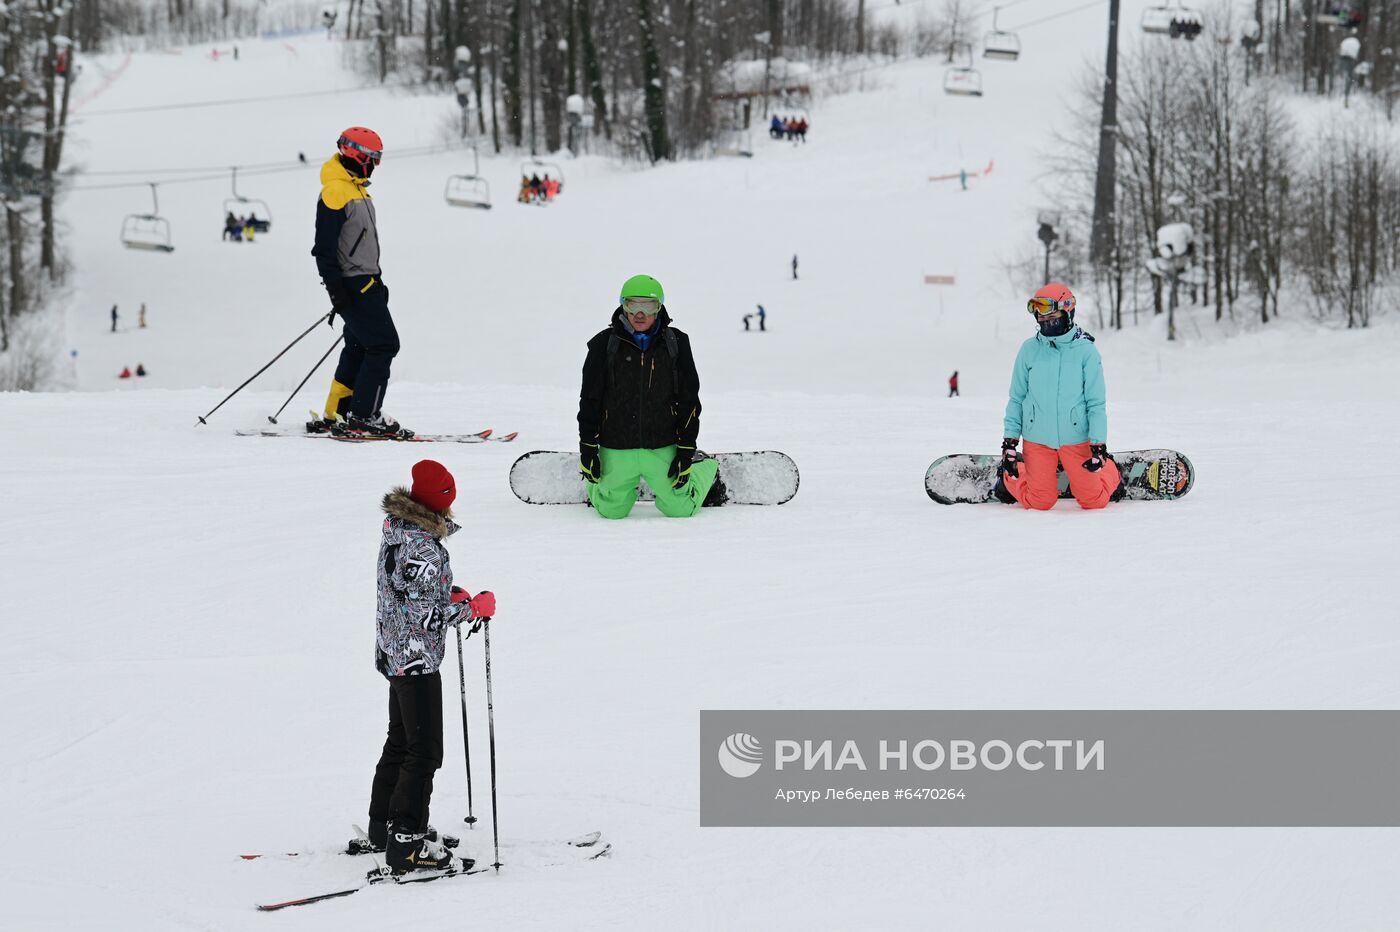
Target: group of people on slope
x=791 y=128
x=537 y=190
x=242 y=229
x=638 y=418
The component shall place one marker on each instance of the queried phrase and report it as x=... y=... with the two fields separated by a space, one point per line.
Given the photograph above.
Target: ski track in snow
x=210 y=597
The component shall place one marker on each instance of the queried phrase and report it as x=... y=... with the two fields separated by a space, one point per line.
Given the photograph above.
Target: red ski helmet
x=361 y=145
x=1050 y=298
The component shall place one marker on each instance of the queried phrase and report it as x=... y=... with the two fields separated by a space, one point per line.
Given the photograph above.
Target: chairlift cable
x=190 y=105
x=281 y=168
x=1055 y=16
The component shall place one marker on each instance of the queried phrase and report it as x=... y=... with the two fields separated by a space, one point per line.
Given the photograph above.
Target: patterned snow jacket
x=415 y=588
x=347 y=236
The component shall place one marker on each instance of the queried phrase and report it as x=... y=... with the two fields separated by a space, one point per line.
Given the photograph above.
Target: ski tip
x=509 y=437
x=483 y=434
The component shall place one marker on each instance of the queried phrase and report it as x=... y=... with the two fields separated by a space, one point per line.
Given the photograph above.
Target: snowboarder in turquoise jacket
x=1057 y=403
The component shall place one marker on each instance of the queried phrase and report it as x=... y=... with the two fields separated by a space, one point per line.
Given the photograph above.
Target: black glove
x=340 y=298
x=680 y=466
x=588 y=462
x=1098 y=452
x=1010 y=457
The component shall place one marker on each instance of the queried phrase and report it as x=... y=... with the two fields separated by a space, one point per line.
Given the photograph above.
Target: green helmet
x=642 y=286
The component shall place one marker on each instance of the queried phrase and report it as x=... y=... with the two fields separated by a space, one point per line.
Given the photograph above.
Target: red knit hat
x=433 y=485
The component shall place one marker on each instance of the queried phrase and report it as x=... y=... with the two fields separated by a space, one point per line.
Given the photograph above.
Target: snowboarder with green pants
x=639 y=411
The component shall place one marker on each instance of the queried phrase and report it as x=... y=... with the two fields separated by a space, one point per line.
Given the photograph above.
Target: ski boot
x=410 y=851
x=718 y=494
x=379 y=838
x=323 y=425
x=377 y=425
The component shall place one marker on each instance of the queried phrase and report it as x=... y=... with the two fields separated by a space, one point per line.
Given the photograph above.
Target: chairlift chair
x=544 y=170
x=1186 y=24
x=736 y=142
x=966 y=82
x=467 y=191
x=999 y=44
x=1338 y=14
x=147 y=231
x=241 y=206
x=1178 y=22
x=1157 y=20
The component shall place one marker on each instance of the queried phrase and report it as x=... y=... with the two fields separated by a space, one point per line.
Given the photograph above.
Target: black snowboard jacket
x=639 y=399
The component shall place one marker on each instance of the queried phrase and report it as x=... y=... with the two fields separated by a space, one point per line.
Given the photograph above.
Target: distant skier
x=953 y=384
x=747 y=318
x=416 y=605
x=762 y=318
x=140 y=370
x=639 y=411
x=347 y=256
x=114 y=318
x=1057 y=402
x=794 y=266
x=775 y=127
x=141 y=316
x=962 y=178
x=125 y=373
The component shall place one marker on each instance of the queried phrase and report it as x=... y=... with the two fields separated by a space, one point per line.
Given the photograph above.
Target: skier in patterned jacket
x=416 y=605
x=1057 y=403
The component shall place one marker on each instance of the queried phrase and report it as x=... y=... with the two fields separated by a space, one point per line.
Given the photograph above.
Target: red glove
x=460 y=595
x=483 y=605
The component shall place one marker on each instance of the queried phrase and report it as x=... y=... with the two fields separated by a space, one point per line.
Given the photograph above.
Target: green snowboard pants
x=616 y=490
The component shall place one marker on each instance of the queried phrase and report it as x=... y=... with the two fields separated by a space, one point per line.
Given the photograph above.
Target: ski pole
x=264 y=368
x=491 y=734
x=273 y=418
x=466 y=742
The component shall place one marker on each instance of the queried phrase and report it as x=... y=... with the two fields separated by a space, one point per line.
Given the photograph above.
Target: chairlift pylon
x=965 y=82
x=1000 y=45
x=148 y=231
x=258 y=211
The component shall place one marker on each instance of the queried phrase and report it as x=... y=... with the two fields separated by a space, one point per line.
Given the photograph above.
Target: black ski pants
x=371 y=343
x=403 y=781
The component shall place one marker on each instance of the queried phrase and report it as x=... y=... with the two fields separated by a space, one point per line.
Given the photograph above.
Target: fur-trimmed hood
x=398 y=503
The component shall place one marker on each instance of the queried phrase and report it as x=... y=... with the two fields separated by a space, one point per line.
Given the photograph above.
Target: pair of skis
x=481 y=436
x=380 y=874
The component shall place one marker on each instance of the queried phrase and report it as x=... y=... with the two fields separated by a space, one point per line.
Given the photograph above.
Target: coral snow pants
x=616 y=491
x=1038 y=486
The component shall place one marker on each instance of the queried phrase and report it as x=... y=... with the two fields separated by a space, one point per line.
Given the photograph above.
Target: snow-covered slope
x=188 y=614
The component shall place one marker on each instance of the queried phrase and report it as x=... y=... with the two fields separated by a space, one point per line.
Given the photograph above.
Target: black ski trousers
x=403 y=781
x=371 y=343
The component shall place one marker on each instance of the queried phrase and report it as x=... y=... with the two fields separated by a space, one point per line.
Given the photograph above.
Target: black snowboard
x=550 y=477
x=1150 y=475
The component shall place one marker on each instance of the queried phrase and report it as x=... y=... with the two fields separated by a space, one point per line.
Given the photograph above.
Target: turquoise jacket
x=1057 y=392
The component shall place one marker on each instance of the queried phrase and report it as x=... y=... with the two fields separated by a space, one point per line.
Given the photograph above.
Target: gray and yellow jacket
x=415 y=605
x=347 y=239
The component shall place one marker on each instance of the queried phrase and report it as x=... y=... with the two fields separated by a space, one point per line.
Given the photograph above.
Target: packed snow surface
x=188 y=615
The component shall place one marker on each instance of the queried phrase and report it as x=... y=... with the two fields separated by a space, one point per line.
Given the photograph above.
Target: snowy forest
x=1213 y=124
